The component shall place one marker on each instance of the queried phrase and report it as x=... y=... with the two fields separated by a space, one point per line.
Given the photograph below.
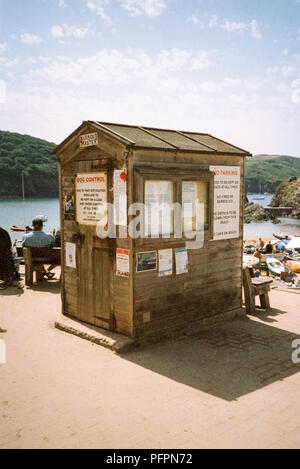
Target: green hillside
x=19 y=152
x=264 y=173
x=33 y=155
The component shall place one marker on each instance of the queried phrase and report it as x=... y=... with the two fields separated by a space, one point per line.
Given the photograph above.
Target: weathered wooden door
x=94 y=264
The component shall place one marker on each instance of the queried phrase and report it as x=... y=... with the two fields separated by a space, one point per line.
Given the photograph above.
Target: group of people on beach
x=36 y=238
x=263 y=248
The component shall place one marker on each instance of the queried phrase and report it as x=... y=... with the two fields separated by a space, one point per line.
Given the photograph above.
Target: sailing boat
x=261 y=196
x=25 y=228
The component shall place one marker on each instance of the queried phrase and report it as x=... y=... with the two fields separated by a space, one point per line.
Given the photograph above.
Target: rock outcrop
x=288 y=195
x=255 y=213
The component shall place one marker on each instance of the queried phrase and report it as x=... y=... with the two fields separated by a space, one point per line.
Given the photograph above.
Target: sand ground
x=234 y=386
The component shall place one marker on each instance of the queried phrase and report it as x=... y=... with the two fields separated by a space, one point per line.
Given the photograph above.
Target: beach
x=232 y=386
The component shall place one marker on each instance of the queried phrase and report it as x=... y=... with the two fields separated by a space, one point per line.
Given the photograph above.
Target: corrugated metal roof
x=138 y=136
x=180 y=140
x=167 y=139
x=215 y=143
x=164 y=139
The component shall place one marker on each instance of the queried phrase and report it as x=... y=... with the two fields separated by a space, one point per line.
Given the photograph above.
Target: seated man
x=39 y=239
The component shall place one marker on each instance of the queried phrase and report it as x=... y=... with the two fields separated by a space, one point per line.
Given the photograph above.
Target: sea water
x=265 y=229
x=12 y=213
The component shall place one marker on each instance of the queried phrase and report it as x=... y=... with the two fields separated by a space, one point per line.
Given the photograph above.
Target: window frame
x=177 y=176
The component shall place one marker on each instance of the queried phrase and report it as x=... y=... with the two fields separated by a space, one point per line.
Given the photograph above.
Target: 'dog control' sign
x=91 y=194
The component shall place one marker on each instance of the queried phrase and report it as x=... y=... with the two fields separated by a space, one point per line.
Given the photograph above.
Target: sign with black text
x=91 y=198
x=88 y=140
x=226 y=202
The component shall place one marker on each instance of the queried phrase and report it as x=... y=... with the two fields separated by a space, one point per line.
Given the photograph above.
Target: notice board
x=226 y=201
x=91 y=198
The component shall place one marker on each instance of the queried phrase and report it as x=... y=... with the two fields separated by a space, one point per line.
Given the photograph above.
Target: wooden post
x=28 y=266
x=248 y=291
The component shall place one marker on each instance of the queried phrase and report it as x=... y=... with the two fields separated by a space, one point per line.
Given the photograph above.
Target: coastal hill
x=288 y=195
x=19 y=152
x=264 y=173
x=34 y=156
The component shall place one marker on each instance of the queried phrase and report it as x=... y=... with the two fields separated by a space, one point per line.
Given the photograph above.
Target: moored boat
x=17 y=228
x=276 y=267
x=282 y=236
x=294 y=266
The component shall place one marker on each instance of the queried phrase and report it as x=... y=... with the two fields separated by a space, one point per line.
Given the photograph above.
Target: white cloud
x=3 y=47
x=201 y=60
x=98 y=6
x=213 y=22
x=172 y=88
x=172 y=60
x=236 y=27
x=28 y=38
x=296 y=93
x=284 y=70
x=110 y=67
x=255 y=33
x=2 y=92
x=144 y=7
x=194 y=19
x=285 y=52
x=66 y=30
x=232 y=26
x=232 y=82
x=62 y=3
x=7 y=63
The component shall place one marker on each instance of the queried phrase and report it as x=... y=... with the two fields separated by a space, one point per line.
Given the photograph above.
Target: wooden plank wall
x=145 y=304
x=68 y=228
x=120 y=289
x=213 y=284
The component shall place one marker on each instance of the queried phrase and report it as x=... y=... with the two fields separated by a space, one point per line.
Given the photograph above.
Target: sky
x=230 y=68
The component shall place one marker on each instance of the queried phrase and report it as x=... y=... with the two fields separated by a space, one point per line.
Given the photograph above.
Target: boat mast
x=23 y=193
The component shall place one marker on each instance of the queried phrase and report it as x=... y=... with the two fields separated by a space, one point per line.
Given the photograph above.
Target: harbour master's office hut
x=154 y=282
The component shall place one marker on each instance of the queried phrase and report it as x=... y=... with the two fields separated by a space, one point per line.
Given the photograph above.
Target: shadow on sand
x=17 y=289
x=47 y=286
x=227 y=361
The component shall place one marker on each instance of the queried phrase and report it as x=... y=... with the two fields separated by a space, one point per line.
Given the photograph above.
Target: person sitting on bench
x=39 y=239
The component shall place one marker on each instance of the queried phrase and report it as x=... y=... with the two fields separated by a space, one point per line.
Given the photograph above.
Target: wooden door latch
x=78 y=238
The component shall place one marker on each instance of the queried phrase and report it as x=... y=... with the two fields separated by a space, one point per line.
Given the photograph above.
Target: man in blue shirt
x=39 y=239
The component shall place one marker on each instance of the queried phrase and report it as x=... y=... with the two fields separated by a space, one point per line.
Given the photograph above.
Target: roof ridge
x=113 y=131
x=194 y=140
x=230 y=144
x=145 y=129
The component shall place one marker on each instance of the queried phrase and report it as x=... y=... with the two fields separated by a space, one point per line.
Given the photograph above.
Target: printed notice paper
x=226 y=201
x=91 y=198
x=71 y=255
x=120 y=198
x=181 y=260
x=122 y=263
x=189 y=192
x=165 y=262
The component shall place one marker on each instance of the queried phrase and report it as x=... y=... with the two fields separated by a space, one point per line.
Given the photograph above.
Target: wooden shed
x=149 y=277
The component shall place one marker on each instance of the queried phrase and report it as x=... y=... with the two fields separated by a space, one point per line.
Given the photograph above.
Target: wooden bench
x=257 y=286
x=35 y=258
